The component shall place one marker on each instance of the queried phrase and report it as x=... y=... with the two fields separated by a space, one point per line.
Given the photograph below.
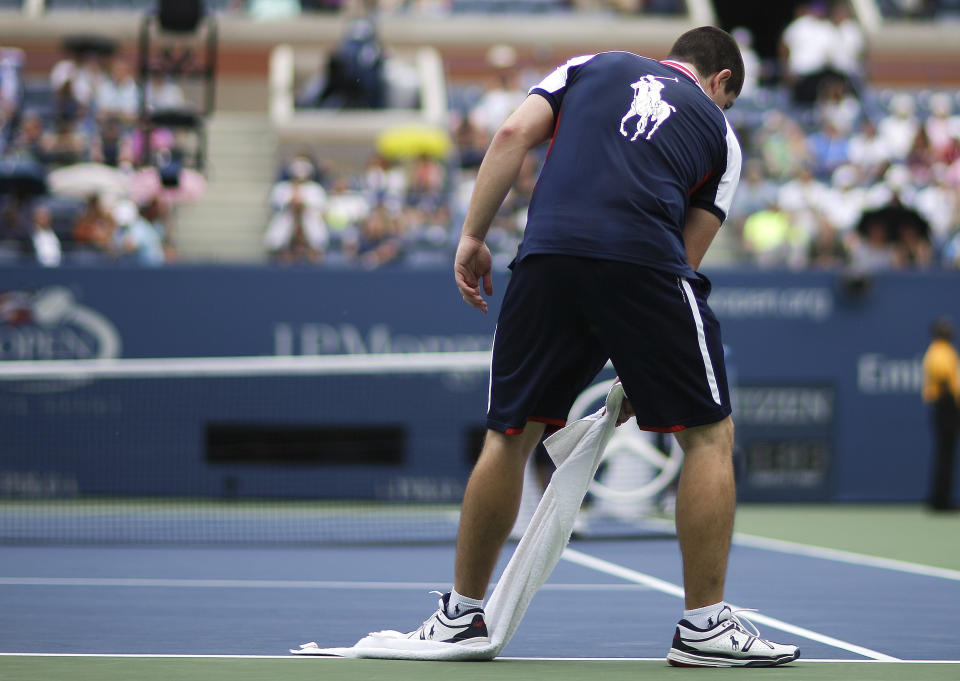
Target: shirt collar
x=681 y=68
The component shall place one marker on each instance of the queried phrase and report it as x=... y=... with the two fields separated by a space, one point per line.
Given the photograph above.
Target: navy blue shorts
x=563 y=317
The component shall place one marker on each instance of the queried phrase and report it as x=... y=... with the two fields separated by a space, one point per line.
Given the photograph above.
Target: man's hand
x=473 y=263
x=626 y=411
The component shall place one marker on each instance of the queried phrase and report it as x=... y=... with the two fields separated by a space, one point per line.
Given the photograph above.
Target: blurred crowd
x=272 y=9
x=76 y=182
x=836 y=174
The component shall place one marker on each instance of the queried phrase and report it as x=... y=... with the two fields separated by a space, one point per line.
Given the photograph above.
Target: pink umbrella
x=145 y=185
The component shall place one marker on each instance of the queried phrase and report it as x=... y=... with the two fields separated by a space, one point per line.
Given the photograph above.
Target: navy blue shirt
x=636 y=143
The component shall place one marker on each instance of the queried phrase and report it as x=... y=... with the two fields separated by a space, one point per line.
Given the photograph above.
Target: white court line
x=796 y=548
x=163 y=656
x=272 y=584
x=609 y=568
x=782 y=546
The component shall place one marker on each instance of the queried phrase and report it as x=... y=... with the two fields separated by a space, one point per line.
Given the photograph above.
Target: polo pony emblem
x=647 y=106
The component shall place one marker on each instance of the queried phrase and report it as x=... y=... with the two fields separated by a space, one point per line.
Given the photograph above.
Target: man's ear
x=720 y=80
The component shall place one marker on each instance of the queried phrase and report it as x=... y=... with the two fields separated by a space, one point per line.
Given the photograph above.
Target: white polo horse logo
x=647 y=106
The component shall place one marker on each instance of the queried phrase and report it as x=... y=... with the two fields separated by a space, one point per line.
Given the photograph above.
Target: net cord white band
x=391 y=363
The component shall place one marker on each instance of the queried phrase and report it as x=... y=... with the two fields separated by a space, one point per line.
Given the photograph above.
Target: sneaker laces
x=426 y=621
x=741 y=624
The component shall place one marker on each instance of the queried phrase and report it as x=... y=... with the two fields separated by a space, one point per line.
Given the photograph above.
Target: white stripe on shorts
x=702 y=340
x=490 y=378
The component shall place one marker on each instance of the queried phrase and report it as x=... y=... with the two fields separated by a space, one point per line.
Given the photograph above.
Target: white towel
x=577 y=450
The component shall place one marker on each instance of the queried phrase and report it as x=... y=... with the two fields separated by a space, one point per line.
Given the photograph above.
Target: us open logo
x=52 y=324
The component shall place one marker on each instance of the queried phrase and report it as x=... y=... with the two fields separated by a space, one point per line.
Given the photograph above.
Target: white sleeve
x=731 y=176
x=557 y=80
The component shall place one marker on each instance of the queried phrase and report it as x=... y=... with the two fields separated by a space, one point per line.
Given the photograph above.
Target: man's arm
x=528 y=126
x=698 y=233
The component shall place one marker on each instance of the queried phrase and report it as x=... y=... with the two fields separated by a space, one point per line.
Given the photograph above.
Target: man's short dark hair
x=942 y=328
x=710 y=50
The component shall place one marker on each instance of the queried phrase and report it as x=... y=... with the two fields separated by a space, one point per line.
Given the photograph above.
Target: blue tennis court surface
x=606 y=600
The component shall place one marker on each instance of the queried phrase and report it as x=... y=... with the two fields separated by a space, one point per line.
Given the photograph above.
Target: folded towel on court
x=577 y=451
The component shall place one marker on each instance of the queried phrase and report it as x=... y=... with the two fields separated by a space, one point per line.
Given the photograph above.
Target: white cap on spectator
x=743 y=36
x=125 y=212
x=902 y=105
x=845 y=176
x=502 y=56
x=941 y=104
x=897 y=177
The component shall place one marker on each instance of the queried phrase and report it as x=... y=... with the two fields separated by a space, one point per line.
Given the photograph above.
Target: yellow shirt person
x=941 y=390
x=941 y=371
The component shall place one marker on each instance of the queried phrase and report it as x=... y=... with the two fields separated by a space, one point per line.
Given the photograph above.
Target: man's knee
x=514 y=445
x=717 y=437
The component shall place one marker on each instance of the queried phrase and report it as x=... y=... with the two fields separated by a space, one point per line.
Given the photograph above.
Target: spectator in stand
x=899 y=129
x=67 y=105
x=65 y=145
x=93 y=230
x=827 y=249
x=28 y=142
x=75 y=81
x=157 y=212
x=46 y=244
x=844 y=200
x=943 y=128
x=921 y=158
x=11 y=62
x=754 y=194
x=163 y=92
x=838 y=107
x=822 y=45
x=135 y=237
x=896 y=188
x=906 y=234
x=848 y=48
x=801 y=199
x=504 y=94
x=805 y=51
x=871 y=250
x=768 y=236
x=16 y=216
x=355 y=70
x=471 y=141
x=385 y=183
x=347 y=208
x=783 y=146
x=913 y=247
x=870 y=152
x=112 y=146
x=951 y=251
x=939 y=204
x=427 y=184
x=119 y=95
x=297 y=231
x=829 y=149
x=379 y=241
x=751 y=61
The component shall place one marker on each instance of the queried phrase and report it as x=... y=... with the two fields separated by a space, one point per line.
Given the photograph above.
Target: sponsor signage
x=785 y=441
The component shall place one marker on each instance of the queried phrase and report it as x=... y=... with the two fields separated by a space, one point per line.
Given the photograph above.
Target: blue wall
x=827 y=378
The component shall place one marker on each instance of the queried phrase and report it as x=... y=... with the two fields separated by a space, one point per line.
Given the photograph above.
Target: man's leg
x=490 y=505
x=706 y=501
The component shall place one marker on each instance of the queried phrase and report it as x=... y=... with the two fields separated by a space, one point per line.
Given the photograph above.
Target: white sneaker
x=466 y=629
x=726 y=644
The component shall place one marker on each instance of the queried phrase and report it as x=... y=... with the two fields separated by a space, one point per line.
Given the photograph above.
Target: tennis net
x=264 y=449
x=339 y=449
